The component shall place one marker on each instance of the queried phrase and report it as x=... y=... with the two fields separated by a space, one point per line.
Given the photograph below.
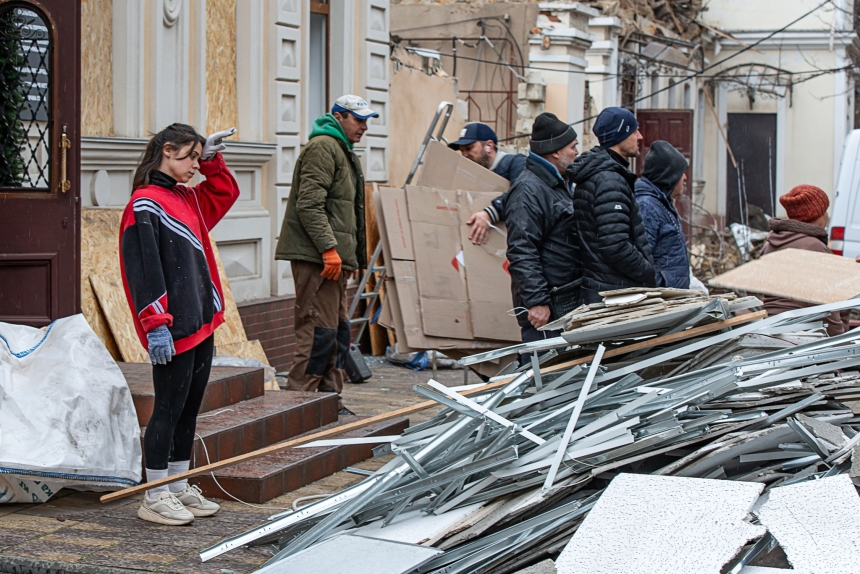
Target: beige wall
x=96 y=69
x=415 y=96
x=768 y=14
x=809 y=148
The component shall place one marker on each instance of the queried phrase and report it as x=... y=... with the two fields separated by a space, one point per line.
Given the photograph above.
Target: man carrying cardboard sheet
x=479 y=143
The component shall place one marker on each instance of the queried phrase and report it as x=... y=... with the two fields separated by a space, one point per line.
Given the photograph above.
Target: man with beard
x=612 y=240
x=542 y=250
x=478 y=142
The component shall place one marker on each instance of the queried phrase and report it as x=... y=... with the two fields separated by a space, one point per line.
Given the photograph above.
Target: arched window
x=25 y=107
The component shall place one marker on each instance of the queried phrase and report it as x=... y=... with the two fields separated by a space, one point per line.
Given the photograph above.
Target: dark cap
x=614 y=125
x=550 y=134
x=474 y=132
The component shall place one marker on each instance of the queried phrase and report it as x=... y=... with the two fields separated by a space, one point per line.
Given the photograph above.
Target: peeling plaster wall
x=221 y=108
x=442 y=20
x=96 y=68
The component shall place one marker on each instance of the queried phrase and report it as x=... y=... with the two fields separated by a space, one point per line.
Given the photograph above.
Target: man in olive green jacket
x=323 y=238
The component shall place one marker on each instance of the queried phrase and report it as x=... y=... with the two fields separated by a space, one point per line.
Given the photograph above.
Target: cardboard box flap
x=398 y=231
x=446 y=169
x=434 y=206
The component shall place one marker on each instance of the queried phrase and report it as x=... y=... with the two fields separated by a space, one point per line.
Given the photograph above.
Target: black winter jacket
x=510 y=166
x=612 y=242
x=542 y=247
x=665 y=235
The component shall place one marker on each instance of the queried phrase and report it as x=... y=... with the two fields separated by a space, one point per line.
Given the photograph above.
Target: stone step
x=265 y=478
x=253 y=424
x=227 y=386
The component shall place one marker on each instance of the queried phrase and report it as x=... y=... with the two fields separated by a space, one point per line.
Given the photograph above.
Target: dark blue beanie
x=614 y=125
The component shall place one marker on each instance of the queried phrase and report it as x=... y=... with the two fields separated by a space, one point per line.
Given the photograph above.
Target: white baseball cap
x=354 y=105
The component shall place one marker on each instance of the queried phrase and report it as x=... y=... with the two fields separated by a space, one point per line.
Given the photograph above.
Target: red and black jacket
x=168 y=266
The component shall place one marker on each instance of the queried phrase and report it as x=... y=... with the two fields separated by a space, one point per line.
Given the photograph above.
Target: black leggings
x=179 y=387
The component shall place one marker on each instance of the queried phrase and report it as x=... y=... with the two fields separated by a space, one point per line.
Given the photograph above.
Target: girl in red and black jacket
x=172 y=286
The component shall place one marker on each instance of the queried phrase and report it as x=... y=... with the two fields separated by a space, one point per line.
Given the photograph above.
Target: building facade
x=266 y=67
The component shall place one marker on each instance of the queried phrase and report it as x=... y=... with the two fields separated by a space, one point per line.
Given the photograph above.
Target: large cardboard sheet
x=399 y=234
x=404 y=304
x=446 y=169
x=441 y=278
x=487 y=279
x=808 y=276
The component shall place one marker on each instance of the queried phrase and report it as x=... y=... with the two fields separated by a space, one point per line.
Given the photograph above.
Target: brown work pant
x=322 y=331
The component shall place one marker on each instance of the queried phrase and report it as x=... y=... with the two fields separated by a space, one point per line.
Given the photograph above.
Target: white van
x=844 y=230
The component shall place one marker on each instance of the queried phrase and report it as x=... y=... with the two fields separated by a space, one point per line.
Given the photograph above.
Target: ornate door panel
x=39 y=161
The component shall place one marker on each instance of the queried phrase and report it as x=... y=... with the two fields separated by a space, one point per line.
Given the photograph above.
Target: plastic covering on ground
x=66 y=413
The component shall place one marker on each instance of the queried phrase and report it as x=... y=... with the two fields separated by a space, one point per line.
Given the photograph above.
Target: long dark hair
x=177 y=136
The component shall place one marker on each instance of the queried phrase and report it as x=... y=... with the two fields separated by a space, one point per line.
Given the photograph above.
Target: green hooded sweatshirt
x=326 y=204
x=328 y=125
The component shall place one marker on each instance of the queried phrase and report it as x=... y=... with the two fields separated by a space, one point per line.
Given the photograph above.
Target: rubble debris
x=644 y=524
x=485 y=463
x=816 y=524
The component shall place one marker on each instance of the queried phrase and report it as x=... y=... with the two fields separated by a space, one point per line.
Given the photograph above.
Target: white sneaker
x=165 y=509
x=193 y=500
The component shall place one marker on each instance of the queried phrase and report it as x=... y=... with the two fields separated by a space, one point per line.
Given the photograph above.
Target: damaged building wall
x=484 y=79
x=416 y=95
x=801 y=101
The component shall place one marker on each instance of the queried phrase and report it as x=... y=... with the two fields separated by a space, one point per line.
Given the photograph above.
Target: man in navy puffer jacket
x=663 y=177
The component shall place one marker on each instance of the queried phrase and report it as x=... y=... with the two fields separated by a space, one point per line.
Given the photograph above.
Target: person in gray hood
x=662 y=179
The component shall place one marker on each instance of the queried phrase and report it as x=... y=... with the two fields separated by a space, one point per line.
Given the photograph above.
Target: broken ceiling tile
x=349 y=554
x=414 y=527
x=816 y=524
x=644 y=524
x=824 y=431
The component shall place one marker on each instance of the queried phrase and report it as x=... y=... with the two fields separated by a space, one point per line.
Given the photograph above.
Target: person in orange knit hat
x=805 y=228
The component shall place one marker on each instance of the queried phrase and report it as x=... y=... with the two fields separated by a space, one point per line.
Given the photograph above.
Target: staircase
x=238 y=416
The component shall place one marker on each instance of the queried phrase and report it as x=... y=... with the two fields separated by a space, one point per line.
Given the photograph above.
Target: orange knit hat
x=805 y=203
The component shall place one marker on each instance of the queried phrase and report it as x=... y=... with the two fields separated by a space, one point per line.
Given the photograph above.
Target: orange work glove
x=332 y=263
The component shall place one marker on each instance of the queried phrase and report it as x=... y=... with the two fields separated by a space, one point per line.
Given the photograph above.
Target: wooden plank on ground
x=406 y=411
x=808 y=276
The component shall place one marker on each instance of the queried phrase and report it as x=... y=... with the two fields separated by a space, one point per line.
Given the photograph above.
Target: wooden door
x=752 y=138
x=39 y=161
x=675 y=127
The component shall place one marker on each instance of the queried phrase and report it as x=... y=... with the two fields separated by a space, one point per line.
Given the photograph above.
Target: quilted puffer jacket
x=613 y=246
x=665 y=235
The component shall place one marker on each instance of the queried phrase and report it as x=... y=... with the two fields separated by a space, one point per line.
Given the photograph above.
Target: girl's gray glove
x=214 y=144
x=161 y=348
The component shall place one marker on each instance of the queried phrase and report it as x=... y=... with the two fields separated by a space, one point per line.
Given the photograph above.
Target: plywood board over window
x=96 y=70
x=221 y=107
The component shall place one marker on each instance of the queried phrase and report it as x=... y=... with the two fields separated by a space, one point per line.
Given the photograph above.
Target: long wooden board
x=688 y=334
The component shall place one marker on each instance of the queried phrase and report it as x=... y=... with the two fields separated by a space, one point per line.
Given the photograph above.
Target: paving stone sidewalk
x=73 y=532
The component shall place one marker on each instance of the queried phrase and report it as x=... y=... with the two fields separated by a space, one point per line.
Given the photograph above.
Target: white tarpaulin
x=66 y=413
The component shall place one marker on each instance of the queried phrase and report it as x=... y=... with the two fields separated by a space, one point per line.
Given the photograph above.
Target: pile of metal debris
x=504 y=477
